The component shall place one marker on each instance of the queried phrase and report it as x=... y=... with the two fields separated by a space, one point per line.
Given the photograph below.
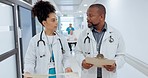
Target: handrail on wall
x=137 y=64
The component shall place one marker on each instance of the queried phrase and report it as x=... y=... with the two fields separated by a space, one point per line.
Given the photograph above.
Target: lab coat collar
x=107 y=34
x=90 y=35
x=45 y=38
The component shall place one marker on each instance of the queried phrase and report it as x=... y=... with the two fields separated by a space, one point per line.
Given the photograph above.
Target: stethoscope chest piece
x=111 y=39
x=100 y=56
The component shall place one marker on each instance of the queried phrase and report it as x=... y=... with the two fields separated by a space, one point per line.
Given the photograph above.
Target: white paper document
x=99 y=62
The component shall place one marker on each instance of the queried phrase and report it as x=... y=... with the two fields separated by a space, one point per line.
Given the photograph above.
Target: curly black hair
x=41 y=9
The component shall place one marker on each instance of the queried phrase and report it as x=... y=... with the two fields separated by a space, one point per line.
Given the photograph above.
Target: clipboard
x=99 y=61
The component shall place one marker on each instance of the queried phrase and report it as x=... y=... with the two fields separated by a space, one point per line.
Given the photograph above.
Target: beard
x=90 y=25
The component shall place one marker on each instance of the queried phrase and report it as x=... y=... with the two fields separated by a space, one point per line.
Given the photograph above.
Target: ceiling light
x=80 y=11
x=85 y=5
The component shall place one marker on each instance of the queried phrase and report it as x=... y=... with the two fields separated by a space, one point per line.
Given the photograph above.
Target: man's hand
x=86 y=65
x=68 y=69
x=110 y=67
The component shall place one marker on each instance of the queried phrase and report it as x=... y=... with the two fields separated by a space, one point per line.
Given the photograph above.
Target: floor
x=75 y=67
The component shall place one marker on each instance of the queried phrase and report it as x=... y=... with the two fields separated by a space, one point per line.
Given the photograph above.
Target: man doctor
x=99 y=38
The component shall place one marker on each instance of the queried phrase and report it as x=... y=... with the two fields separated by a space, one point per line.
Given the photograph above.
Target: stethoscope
x=87 y=37
x=41 y=40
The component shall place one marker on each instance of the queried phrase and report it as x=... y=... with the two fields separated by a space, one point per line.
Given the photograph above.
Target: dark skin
x=96 y=18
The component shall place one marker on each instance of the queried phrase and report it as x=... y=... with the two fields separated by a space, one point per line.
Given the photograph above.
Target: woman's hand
x=68 y=69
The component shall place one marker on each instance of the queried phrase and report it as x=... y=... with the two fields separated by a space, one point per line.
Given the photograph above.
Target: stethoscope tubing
x=41 y=40
x=87 y=37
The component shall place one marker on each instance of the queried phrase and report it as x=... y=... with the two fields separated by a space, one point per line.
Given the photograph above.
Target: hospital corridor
x=73 y=39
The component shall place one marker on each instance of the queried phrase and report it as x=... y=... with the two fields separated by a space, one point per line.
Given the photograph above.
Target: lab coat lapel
x=56 y=51
x=107 y=33
x=90 y=35
x=46 y=45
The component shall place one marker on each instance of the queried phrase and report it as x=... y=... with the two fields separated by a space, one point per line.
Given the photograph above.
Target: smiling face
x=50 y=23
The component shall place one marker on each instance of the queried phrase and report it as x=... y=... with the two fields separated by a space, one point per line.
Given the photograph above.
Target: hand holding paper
x=86 y=65
x=110 y=67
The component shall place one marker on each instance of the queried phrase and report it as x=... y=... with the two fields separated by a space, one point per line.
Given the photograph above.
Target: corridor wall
x=130 y=18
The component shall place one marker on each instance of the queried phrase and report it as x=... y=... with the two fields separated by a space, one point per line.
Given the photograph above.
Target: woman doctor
x=47 y=52
x=99 y=38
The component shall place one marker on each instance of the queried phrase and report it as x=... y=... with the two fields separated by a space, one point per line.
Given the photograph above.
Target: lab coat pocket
x=112 y=49
x=41 y=62
x=86 y=49
x=41 y=55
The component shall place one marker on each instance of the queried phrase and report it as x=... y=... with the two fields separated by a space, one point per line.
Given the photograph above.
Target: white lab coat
x=114 y=50
x=36 y=65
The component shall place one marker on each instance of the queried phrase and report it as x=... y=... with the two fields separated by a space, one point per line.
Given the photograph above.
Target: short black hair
x=41 y=9
x=100 y=7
